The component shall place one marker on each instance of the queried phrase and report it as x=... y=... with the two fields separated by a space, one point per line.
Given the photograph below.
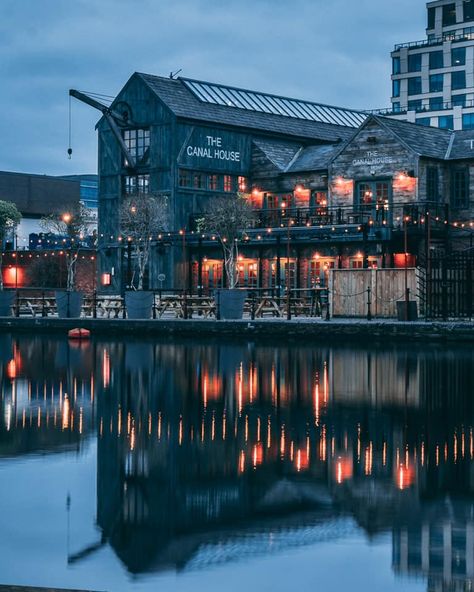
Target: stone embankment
x=278 y=329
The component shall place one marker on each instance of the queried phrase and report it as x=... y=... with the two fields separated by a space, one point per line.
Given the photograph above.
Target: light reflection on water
x=211 y=460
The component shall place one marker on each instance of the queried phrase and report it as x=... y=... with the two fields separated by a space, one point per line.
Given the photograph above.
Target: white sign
x=213 y=150
x=372 y=158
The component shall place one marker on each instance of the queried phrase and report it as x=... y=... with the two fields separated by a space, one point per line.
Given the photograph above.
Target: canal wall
x=278 y=329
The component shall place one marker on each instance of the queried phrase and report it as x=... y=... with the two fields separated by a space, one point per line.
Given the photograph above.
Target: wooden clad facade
x=347 y=189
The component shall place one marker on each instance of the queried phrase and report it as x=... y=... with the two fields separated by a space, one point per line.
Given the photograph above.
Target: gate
x=446 y=284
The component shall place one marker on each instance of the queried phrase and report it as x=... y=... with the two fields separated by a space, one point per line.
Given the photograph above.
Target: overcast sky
x=332 y=51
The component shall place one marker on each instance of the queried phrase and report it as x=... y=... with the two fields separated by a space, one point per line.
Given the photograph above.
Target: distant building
x=37 y=196
x=433 y=79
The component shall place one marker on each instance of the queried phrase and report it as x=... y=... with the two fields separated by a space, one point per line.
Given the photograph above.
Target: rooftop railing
x=465 y=36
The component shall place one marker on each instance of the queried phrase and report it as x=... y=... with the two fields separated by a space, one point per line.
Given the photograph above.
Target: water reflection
x=213 y=453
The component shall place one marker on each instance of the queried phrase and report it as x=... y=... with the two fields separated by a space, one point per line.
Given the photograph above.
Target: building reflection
x=46 y=395
x=216 y=452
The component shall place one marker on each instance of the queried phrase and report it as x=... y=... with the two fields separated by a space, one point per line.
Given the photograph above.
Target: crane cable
x=69 y=150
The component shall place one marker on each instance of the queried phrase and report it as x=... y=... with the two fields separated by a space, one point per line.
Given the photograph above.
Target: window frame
x=460 y=187
x=432 y=64
x=455 y=75
x=419 y=86
x=436 y=82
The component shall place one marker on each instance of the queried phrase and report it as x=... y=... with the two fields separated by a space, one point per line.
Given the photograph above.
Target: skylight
x=227 y=96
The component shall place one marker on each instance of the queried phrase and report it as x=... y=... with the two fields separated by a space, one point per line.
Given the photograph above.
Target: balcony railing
x=384 y=215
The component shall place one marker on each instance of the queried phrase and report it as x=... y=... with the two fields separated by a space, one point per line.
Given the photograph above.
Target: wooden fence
x=353 y=292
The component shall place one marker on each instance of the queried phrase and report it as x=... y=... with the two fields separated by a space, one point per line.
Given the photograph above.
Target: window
x=459 y=100
x=396 y=88
x=414 y=86
x=242 y=184
x=436 y=60
x=432 y=183
x=460 y=188
x=137 y=184
x=424 y=121
x=137 y=141
x=431 y=18
x=436 y=103
x=228 y=183
x=468 y=10
x=458 y=56
x=414 y=62
x=415 y=105
x=446 y=122
x=449 y=15
x=396 y=65
x=212 y=182
x=198 y=181
x=184 y=178
x=436 y=83
x=468 y=121
x=468 y=33
x=458 y=80
x=396 y=107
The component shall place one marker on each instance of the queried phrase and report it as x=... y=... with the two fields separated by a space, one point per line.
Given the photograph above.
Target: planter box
x=7 y=298
x=230 y=303
x=69 y=304
x=139 y=304
x=402 y=310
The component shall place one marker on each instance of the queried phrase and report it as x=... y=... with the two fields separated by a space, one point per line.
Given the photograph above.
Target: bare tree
x=9 y=218
x=72 y=223
x=231 y=216
x=142 y=217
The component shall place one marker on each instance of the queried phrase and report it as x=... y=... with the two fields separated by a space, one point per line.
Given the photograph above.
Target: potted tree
x=9 y=218
x=142 y=217
x=72 y=225
x=231 y=217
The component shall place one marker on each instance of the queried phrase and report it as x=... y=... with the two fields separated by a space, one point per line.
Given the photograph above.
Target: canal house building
x=331 y=187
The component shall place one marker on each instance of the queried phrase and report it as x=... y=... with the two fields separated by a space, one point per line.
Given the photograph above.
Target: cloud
x=336 y=52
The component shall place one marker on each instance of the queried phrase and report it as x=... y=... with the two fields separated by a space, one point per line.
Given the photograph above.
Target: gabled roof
x=177 y=95
x=314 y=158
x=280 y=154
x=431 y=142
x=462 y=145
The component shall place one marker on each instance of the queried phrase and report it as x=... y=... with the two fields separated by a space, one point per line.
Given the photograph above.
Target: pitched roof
x=280 y=154
x=462 y=145
x=424 y=141
x=313 y=158
x=184 y=103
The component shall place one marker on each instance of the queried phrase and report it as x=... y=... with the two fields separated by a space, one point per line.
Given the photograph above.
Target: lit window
x=242 y=184
x=184 y=178
x=137 y=184
x=227 y=183
x=106 y=279
x=137 y=141
x=212 y=182
x=198 y=181
x=458 y=56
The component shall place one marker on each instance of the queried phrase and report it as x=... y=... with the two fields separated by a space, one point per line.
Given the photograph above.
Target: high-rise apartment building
x=433 y=79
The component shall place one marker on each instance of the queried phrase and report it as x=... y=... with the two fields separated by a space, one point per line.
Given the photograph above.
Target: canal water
x=185 y=466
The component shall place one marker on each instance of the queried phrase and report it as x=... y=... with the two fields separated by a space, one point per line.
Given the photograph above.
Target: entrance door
x=373 y=200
